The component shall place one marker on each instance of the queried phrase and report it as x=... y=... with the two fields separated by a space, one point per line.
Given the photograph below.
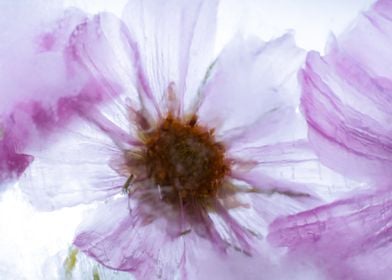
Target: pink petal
x=249 y=80
x=347 y=238
x=35 y=105
x=268 y=207
x=252 y=212
x=347 y=102
x=73 y=170
x=100 y=45
x=29 y=52
x=175 y=43
x=369 y=41
x=290 y=168
x=125 y=240
x=278 y=125
x=148 y=246
x=21 y=54
x=203 y=263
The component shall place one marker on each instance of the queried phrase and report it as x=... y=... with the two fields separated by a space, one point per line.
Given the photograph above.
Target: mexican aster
x=196 y=153
x=347 y=98
x=37 y=82
x=347 y=102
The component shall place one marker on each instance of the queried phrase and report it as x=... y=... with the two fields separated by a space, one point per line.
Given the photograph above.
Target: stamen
x=185 y=157
x=160 y=192
x=127 y=184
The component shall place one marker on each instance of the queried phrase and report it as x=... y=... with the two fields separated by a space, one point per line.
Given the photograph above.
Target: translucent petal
x=100 y=44
x=33 y=106
x=175 y=42
x=347 y=237
x=126 y=240
x=250 y=79
x=120 y=237
x=74 y=169
x=347 y=101
x=282 y=124
x=290 y=168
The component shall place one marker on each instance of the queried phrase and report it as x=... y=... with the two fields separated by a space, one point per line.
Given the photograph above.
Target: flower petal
x=369 y=41
x=347 y=102
x=126 y=240
x=34 y=106
x=74 y=169
x=250 y=79
x=290 y=168
x=347 y=238
x=100 y=44
x=175 y=40
x=21 y=54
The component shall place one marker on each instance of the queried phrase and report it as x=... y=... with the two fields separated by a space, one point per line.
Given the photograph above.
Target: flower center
x=185 y=161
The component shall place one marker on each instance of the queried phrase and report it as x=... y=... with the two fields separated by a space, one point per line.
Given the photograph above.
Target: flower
x=347 y=103
x=347 y=239
x=33 y=106
x=347 y=99
x=195 y=157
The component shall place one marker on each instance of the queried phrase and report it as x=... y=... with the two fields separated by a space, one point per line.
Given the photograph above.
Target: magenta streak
x=142 y=78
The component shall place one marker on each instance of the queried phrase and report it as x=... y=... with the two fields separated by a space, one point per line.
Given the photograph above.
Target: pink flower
x=347 y=102
x=40 y=87
x=347 y=239
x=347 y=98
x=195 y=157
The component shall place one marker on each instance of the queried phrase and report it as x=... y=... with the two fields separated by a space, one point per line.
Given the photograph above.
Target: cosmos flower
x=38 y=84
x=197 y=154
x=347 y=99
x=347 y=239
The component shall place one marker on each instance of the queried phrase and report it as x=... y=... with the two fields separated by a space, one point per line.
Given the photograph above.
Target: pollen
x=184 y=161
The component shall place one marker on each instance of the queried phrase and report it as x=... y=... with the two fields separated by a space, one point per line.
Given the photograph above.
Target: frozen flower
x=37 y=83
x=195 y=157
x=347 y=102
x=347 y=239
x=347 y=98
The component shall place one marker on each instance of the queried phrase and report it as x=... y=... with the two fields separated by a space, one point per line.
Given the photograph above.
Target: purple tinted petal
x=28 y=101
x=231 y=230
x=268 y=207
x=347 y=101
x=100 y=44
x=250 y=76
x=32 y=122
x=12 y=164
x=290 y=168
x=33 y=106
x=278 y=125
x=343 y=237
x=13 y=140
x=130 y=241
x=120 y=137
x=175 y=42
x=72 y=170
x=384 y=8
x=277 y=153
x=369 y=41
x=23 y=55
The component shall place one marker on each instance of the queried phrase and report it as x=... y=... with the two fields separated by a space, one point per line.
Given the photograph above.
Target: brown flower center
x=185 y=161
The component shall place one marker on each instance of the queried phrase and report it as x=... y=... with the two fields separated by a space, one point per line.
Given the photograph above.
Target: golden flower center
x=185 y=161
